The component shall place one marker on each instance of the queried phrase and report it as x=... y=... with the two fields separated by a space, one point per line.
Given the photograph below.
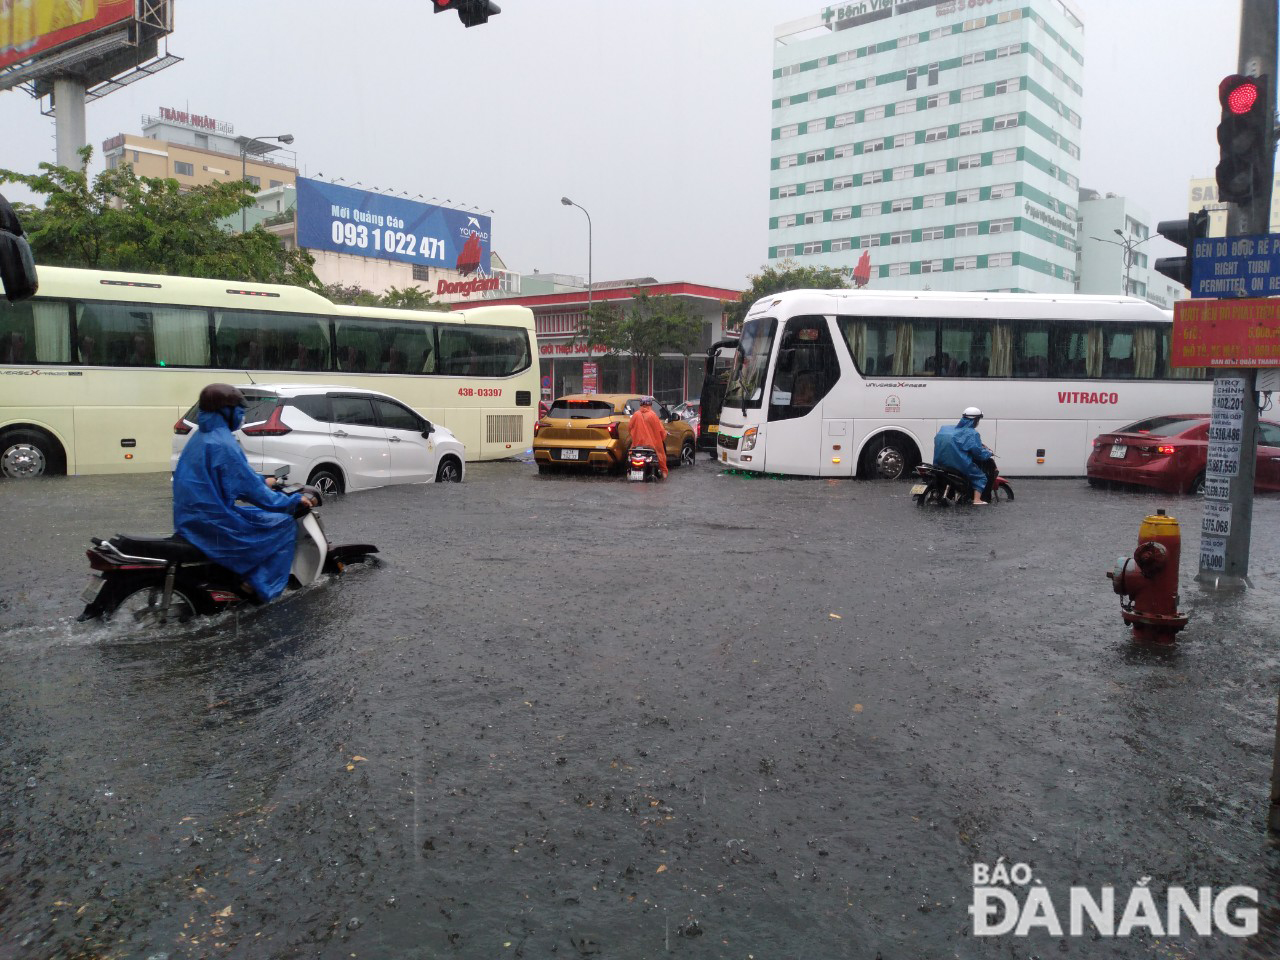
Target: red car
x=1169 y=453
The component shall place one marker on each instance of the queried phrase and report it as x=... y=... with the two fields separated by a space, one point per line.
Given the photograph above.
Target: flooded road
x=717 y=717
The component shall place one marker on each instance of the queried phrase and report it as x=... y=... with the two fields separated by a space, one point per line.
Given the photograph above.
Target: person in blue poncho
x=254 y=539
x=960 y=448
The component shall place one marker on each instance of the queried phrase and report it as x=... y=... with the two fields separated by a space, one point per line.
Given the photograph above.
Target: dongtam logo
x=1000 y=908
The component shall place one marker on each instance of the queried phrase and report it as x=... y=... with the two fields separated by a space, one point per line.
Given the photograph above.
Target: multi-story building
x=930 y=143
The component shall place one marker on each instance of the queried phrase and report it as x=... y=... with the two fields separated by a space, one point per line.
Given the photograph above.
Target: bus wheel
x=889 y=457
x=29 y=453
x=327 y=480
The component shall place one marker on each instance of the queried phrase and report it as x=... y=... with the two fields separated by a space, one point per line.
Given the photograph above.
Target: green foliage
x=778 y=279
x=410 y=298
x=121 y=221
x=651 y=326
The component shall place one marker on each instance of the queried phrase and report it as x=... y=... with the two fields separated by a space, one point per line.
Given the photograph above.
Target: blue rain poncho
x=257 y=541
x=960 y=448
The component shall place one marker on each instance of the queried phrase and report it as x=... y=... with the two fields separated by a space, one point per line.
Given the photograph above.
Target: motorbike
x=152 y=580
x=944 y=487
x=642 y=464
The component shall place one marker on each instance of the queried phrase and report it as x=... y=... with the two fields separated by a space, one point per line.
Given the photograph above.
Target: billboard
x=345 y=220
x=32 y=27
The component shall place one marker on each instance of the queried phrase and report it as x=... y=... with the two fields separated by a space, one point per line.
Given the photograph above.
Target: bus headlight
x=749 y=438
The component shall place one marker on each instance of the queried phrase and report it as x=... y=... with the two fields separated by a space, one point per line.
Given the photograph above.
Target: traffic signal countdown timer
x=1246 y=139
x=470 y=12
x=1184 y=233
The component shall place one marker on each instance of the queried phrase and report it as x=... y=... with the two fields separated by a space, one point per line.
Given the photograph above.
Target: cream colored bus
x=98 y=366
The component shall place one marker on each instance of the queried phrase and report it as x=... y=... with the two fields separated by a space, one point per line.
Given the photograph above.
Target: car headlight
x=749 y=438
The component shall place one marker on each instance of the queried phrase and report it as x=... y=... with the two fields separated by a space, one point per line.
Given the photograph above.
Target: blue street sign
x=1236 y=267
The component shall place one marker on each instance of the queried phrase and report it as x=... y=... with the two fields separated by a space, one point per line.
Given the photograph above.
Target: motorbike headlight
x=749 y=438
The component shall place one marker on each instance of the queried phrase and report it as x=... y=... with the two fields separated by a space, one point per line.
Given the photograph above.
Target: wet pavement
x=722 y=716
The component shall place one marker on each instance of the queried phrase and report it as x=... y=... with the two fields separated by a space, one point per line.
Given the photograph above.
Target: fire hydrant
x=1148 y=583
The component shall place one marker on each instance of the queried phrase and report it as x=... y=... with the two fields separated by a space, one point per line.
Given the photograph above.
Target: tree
x=121 y=221
x=777 y=279
x=652 y=326
x=410 y=298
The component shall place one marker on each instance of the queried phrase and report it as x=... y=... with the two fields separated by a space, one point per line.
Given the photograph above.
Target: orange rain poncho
x=647 y=431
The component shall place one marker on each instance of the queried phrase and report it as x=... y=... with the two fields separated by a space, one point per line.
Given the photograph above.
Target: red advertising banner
x=1226 y=333
x=32 y=27
x=590 y=378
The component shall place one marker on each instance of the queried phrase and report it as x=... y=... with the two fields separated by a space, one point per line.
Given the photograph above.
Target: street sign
x=1226 y=333
x=1236 y=267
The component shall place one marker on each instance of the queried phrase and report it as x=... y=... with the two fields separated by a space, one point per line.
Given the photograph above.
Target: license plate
x=637 y=474
x=1118 y=450
x=92 y=590
x=918 y=489
x=568 y=454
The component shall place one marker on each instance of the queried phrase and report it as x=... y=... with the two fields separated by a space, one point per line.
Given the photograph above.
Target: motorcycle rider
x=960 y=448
x=255 y=540
x=646 y=430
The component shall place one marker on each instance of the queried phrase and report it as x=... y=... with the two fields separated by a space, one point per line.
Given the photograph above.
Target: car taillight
x=1166 y=448
x=611 y=428
x=182 y=428
x=537 y=425
x=273 y=426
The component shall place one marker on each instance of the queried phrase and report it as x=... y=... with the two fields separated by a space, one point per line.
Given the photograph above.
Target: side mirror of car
x=427 y=428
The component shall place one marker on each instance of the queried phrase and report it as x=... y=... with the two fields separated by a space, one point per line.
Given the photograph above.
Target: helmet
x=973 y=413
x=218 y=395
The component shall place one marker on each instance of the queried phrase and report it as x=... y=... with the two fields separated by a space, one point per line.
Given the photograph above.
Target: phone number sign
x=1226 y=333
x=345 y=220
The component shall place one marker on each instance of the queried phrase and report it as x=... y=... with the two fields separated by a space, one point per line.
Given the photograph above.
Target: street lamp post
x=244 y=170
x=569 y=203
x=1129 y=244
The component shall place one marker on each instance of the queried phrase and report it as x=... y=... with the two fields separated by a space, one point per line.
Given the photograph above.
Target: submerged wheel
x=28 y=453
x=1001 y=492
x=141 y=606
x=450 y=471
x=688 y=454
x=327 y=480
x=888 y=457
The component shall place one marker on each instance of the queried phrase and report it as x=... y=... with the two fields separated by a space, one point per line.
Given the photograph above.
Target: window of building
x=971 y=93
x=815 y=186
x=899 y=269
x=934 y=166
x=845 y=119
x=844 y=150
x=976 y=57
x=931 y=266
x=904 y=172
x=1005 y=156
x=1002 y=190
x=904 y=106
x=969 y=161
x=788 y=191
x=421 y=271
x=873 y=113
x=910 y=40
x=812 y=247
x=1009 y=15
x=272 y=184
x=967 y=196
x=790 y=130
x=1000 y=260
x=842 y=213
x=976 y=24
x=871 y=241
x=842 y=244
x=873 y=176
x=934 y=134
x=966 y=229
x=847 y=87
x=970 y=127
x=815 y=156
x=873 y=146
x=933 y=233
x=789 y=70
x=900 y=236
x=813 y=216
x=1001 y=226
x=1009 y=50
x=845 y=55
x=933 y=101
x=842 y=183
x=183 y=169
x=1005 y=120
x=1009 y=86
x=911 y=78
x=870 y=210
x=788 y=161
x=933 y=74
x=935 y=200
x=901 y=204
x=256 y=181
x=964 y=263
x=786 y=251
x=871 y=82
x=788 y=221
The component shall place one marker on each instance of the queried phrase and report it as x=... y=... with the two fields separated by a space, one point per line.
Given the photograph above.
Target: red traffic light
x=1238 y=94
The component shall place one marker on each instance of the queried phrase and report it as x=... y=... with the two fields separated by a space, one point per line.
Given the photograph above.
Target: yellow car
x=590 y=430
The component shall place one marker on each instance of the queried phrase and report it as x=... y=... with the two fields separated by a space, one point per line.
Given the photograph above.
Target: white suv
x=338 y=438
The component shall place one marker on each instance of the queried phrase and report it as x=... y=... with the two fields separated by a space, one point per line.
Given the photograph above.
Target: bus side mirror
x=17 y=265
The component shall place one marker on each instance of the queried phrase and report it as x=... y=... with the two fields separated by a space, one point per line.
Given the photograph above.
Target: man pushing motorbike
x=255 y=539
x=960 y=448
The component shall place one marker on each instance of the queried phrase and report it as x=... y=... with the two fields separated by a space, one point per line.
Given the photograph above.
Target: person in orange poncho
x=647 y=431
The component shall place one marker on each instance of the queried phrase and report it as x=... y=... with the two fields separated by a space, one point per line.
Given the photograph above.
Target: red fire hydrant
x=1148 y=583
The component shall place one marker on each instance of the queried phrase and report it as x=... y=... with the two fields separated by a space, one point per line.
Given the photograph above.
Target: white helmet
x=973 y=413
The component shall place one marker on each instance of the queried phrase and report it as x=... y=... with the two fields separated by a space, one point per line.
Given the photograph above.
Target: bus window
x=966 y=348
x=483 y=351
x=871 y=344
x=34 y=331
x=751 y=364
x=1030 y=350
x=806 y=368
x=1117 y=353
x=124 y=334
x=249 y=340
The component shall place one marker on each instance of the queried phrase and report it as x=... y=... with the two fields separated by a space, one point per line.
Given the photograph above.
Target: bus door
x=804 y=372
x=715 y=382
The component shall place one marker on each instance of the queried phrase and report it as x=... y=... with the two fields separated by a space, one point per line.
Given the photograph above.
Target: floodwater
x=721 y=716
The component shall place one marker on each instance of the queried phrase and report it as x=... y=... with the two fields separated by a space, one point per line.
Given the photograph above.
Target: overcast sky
x=653 y=115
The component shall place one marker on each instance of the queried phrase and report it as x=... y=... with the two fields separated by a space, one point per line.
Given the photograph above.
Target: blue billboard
x=346 y=220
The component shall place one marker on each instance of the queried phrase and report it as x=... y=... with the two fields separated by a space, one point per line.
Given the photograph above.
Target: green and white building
x=934 y=142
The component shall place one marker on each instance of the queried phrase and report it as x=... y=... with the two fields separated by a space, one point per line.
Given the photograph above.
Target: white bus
x=839 y=383
x=98 y=366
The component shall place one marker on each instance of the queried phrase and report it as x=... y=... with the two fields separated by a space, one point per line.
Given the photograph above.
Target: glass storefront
x=674 y=378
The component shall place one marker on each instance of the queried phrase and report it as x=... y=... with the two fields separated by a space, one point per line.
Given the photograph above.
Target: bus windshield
x=751 y=364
